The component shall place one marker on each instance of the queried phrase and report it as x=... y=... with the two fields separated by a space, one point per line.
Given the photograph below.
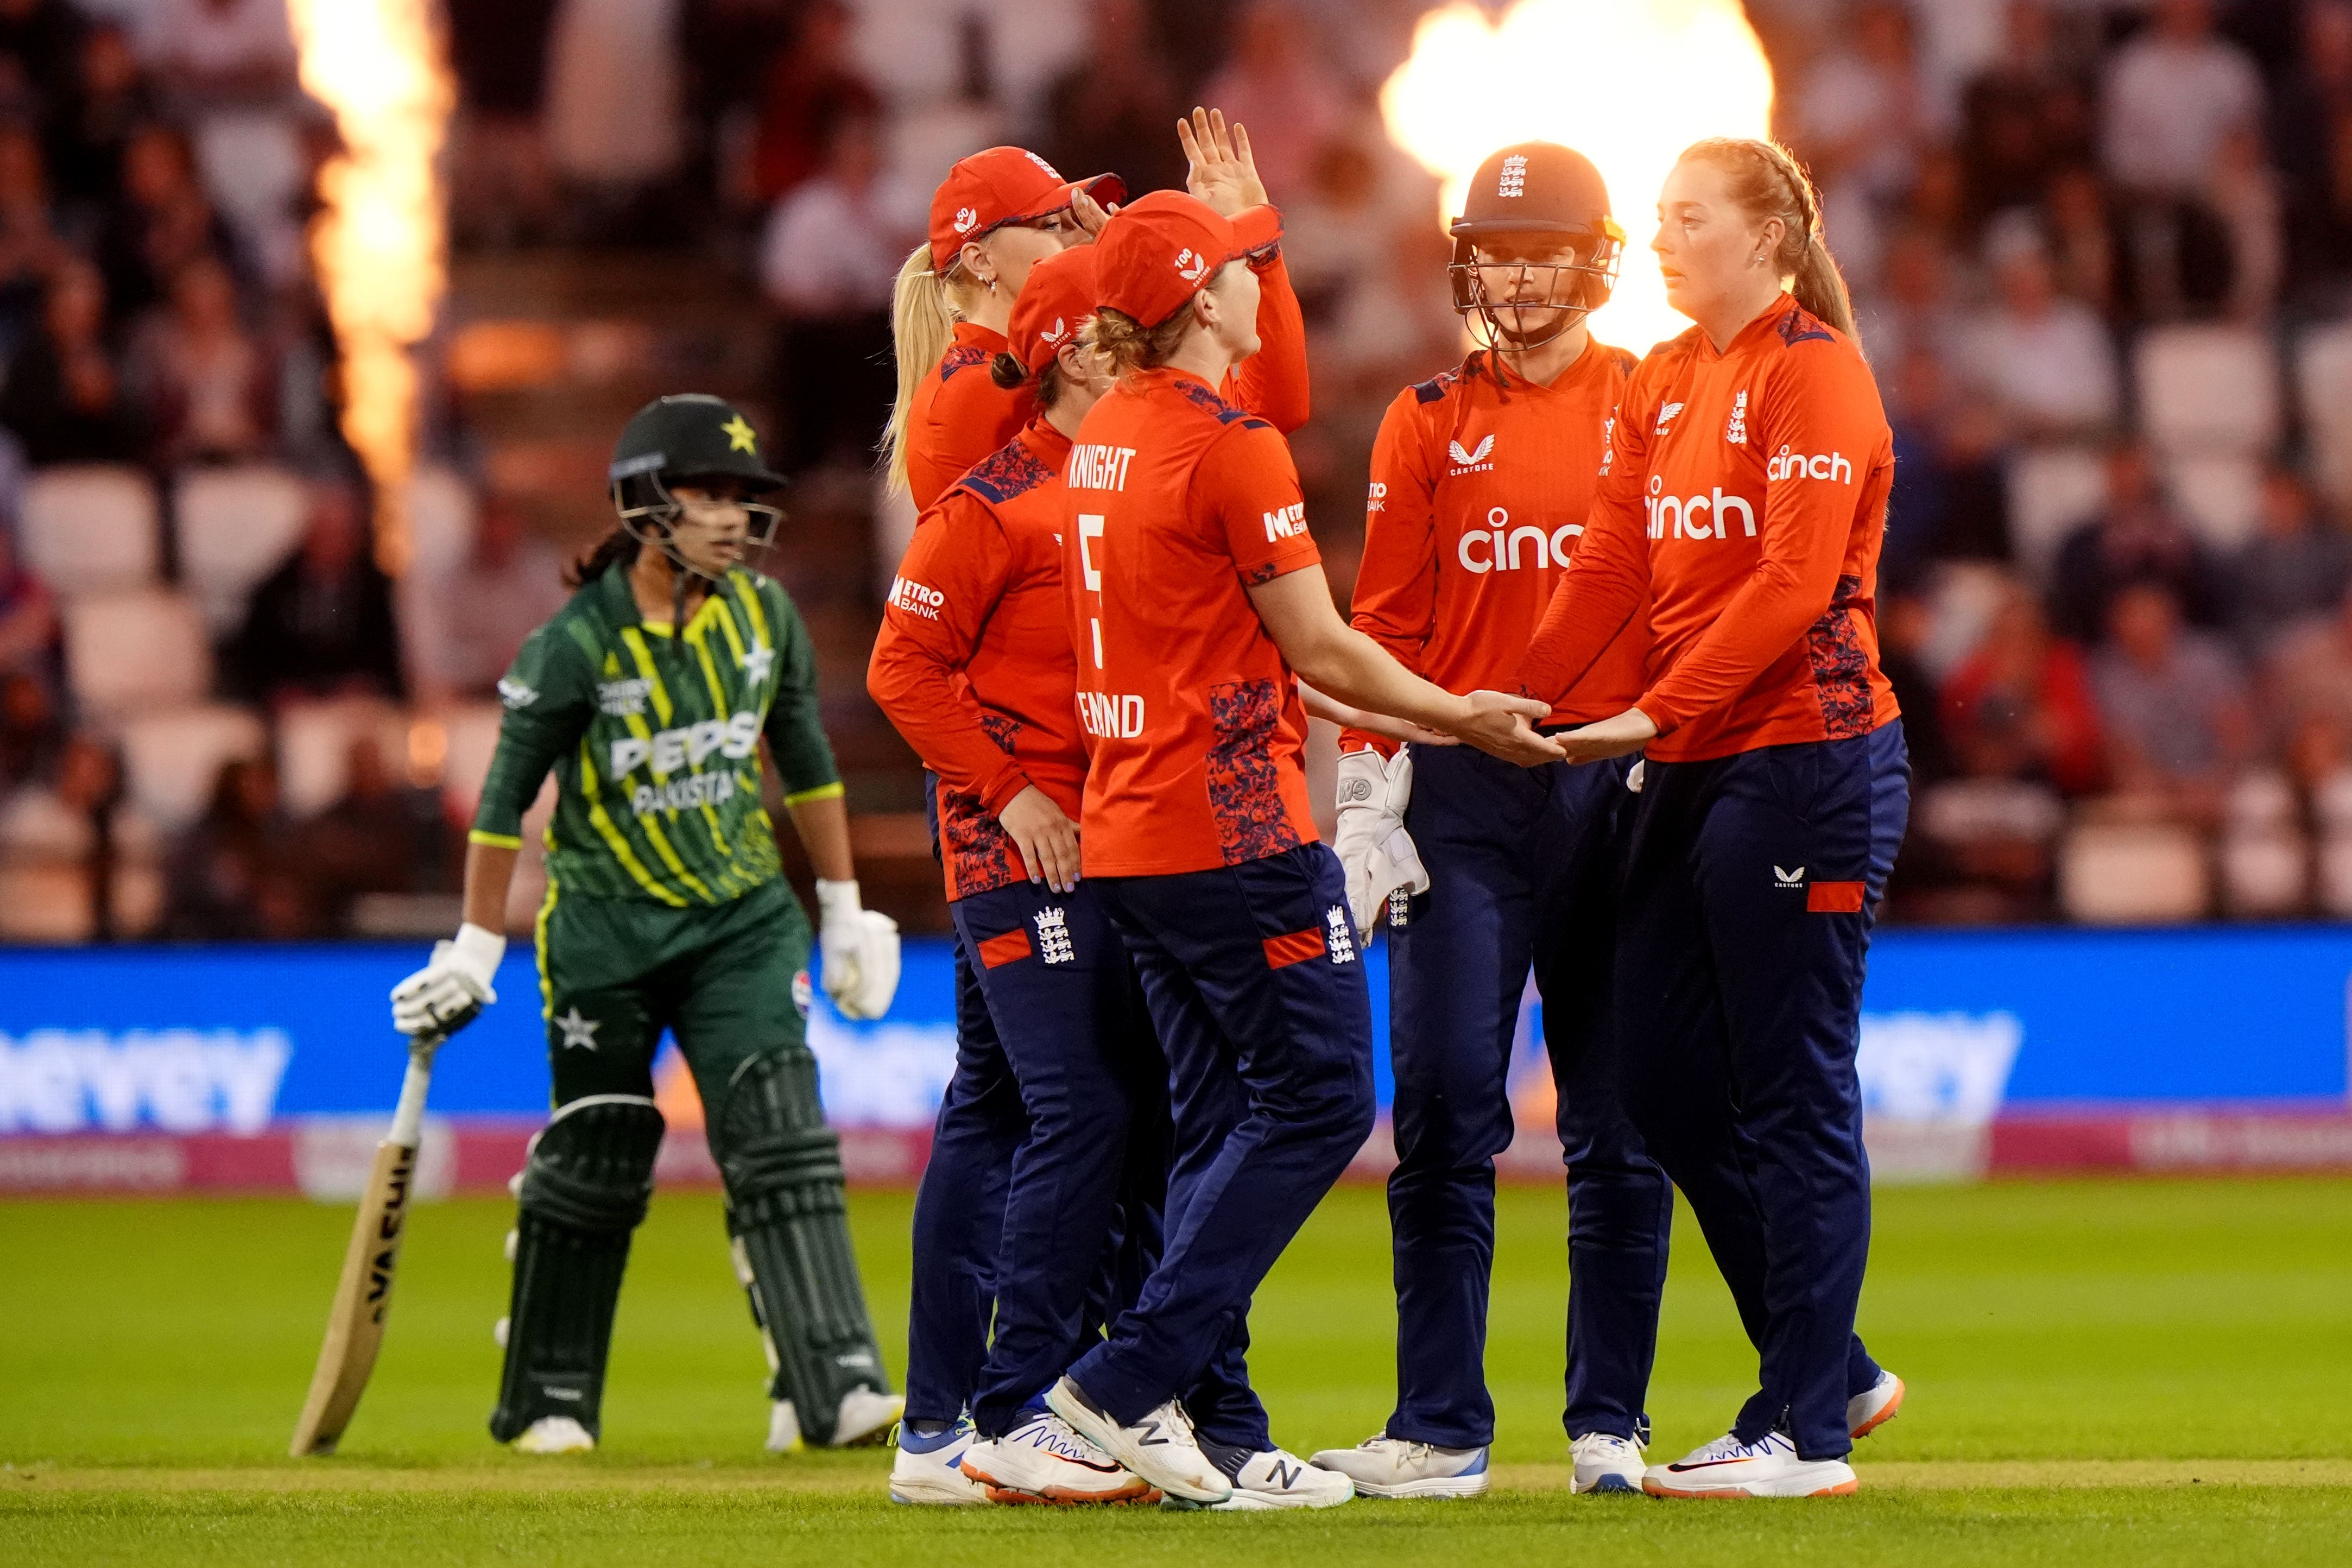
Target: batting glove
x=860 y=947
x=446 y=995
x=1373 y=845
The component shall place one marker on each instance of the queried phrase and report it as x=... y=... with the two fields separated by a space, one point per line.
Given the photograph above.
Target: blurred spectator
x=502 y=188
x=1905 y=623
x=2298 y=564
x=1950 y=498
x=321 y=625
x=160 y=221
x=1114 y=111
x=2311 y=142
x=812 y=88
x=1858 y=122
x=220 y=50
x=2140 y=538
x=463 y=628
x=28 y=618
x=2173 y=704
x=39 y=39
x=613 y=119
x=383 y=835
x=2023 y=117
x=63 y=398
x=1275 y=83
x=828 y=263
x=2244 y=194
x=230 y=876
x=2020 y=706
x=78 y=818
x=2310 y=671
x=1910 y=312
x=2045 y=360
x=109 y=99
x=2082 y=237
x=30 y=734
x=30 y=248
x=207 y=390
x=1364 y=253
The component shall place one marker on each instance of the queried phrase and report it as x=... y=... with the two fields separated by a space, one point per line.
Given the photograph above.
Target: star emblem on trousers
x=741 y=436
x=577 y=1030
x=757 y=661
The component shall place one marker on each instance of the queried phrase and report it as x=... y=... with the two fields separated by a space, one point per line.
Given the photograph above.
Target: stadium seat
x=236 y=525
x=136 y=652
x=2209 y=389
x=440 y=520
x=2323 y=374
x=2220 y=496
x=170 y=758
x=45 y=902
x=1963 y=602
x=314 y=746
x=2118 y=873
x=2265 y=871
x=252 y=163
x=90 y=529
x=2052 y=490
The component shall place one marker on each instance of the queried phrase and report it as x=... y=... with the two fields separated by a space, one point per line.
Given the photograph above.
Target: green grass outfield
x=2102 y=1373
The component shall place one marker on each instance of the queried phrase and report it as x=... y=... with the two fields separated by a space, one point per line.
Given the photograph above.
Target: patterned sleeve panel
x=1244 y=784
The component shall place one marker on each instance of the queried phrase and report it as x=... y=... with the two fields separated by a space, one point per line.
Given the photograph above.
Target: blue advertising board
x=1956 y=1023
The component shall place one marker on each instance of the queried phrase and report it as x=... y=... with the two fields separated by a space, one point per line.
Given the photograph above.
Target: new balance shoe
x=1728 y=1468
x=1273 y=1479
x=1160 y=1448
x=1875 y=1406
x=554 y=1434
x=1605 y=1463
x=1392 y=1467
x=866 y=1417
x=1041 y=1460
x=925 y=1469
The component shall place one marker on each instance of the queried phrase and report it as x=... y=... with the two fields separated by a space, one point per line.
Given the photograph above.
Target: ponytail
x=1011 y=375
x=922 y=323
x=618 y=548
x=1768 y=182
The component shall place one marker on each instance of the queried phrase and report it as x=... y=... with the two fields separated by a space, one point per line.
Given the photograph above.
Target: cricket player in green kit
x=648 y=696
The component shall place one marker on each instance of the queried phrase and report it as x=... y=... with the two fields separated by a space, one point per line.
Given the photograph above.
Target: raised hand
x=1223 y=173
x=1091 y=214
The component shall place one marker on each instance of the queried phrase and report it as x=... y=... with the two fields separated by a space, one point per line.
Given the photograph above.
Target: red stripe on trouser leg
x=1834 y=898
x=1014 y=945
x=1296 y=947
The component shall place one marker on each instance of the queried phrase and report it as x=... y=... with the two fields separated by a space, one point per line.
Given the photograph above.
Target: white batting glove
x=444 y=995
x=1373 y=845
x=861 y=951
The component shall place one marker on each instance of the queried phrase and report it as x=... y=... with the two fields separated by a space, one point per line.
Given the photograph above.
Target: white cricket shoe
x=1389 y=1466
x=1279 y=1478
x=554 y=1434
x=1875 y=1406
x=1728 y=1468
x=925 y=1470
x=1160 y=1448
x=866 y=1417
x=1042 y=1461
x=1605 y=1463
x=784 y=1427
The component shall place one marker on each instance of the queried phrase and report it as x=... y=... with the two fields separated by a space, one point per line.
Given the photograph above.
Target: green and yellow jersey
x=654 y=736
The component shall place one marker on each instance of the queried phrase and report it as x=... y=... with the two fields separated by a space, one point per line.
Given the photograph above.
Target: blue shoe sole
x=1617 y=1484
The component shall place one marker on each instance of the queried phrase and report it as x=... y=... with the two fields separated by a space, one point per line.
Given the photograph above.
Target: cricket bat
x=363 y=1295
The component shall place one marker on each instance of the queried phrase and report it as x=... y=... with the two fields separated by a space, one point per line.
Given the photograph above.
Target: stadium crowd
x=2102 y=253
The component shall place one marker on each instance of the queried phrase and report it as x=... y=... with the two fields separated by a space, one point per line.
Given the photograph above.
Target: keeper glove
x=447 y=994
x=1373 y=845
x=860 y=948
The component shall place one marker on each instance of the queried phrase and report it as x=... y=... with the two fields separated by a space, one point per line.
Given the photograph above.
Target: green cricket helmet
x=682 y=439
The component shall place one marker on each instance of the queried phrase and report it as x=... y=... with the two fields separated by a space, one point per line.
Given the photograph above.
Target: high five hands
x=1223 y=174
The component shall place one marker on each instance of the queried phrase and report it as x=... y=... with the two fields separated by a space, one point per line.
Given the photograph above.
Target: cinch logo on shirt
x=623 y=698
x=1094 y=467
x=916 y=599
x=1287 y=522
x=1471 y=460
x=1789 y=465
x=1499 y=547
x=670 y=750
x=1688 y=517
x=1109 y=716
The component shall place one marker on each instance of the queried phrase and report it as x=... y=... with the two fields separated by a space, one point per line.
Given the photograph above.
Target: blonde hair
x=925 y=306
x=1768 y=182
x=1132 y=346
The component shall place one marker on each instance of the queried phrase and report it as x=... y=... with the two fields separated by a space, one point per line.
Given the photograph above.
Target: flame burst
x=1628 y=83
x=378 y=242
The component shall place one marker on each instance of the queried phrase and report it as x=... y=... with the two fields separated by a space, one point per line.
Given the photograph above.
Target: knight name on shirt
x=1096 y=467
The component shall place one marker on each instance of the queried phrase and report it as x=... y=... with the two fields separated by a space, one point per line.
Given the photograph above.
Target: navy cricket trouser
x=1061 y=994
x=1522 y=867
x=1260 y=1004
x=1751 y=885
x=959 y=1203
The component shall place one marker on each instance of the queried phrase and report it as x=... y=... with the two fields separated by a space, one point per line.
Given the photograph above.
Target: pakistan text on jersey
x=1095 y=466
x=671 y=750
x=688 y=793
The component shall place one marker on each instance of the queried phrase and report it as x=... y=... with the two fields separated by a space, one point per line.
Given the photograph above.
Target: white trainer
x=554 y=1434
x=1279 y=1478
x=925 y=1470
x=1389 y=1466
x=1160 y=1448
x=784 y=1427
x=866 y=1417
x=1605 y=1463
x=1728 y=1468
x=1041 y=1460
x=1875 y=1406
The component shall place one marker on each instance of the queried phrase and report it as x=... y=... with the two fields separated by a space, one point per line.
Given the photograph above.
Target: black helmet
x=678 y=440
x=1537 y=189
